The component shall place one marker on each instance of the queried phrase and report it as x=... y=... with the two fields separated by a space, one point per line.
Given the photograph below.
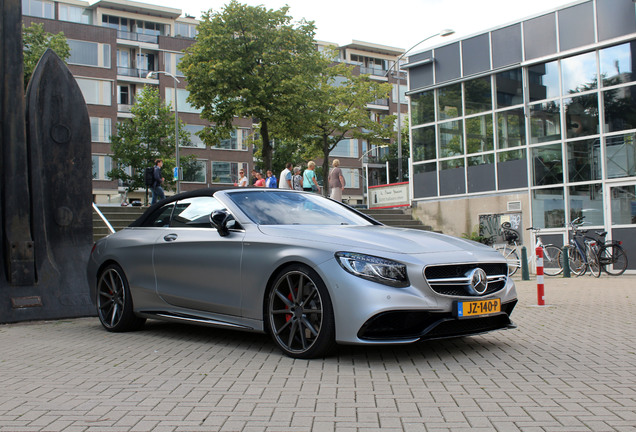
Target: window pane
x=616 y=64
x=478 y=95
x=452 y=177
x=481 y=173
x=346 y=148
x=509 y=88
x=194 y=171
x=579 y=73
x=544 y=81
x=581 y=115
x=548 y=208
x=352 y=177
x=451 y=141
x=94 y=91
x=83 y=53
x=623 y=201
x=100 y=129
x=422 y=108
x=584 y=160
x=620 y=109
x=449 y=102
x=547 y=165
x=424 y=147
x=479 y=134
x=620 y=153
x=545 y=122
x=194 y=212
x=512 y=169
x=587 y=200
x=194 y=138
x=511 y=128
x=425 y=180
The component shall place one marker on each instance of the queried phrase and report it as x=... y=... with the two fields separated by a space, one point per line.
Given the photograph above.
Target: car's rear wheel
x=299 y=313
x=114 y=302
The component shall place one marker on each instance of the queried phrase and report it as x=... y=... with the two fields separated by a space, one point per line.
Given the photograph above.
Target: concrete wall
x=461 y=215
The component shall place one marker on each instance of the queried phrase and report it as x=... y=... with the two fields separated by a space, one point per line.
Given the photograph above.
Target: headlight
x=373 y=268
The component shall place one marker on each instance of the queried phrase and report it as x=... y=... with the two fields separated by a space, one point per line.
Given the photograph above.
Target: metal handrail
x=101 y=215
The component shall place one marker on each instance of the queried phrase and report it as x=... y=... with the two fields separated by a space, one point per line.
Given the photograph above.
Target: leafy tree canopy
x=147 y=136
x=338 y=107
x=249 y=61
x=35 y=41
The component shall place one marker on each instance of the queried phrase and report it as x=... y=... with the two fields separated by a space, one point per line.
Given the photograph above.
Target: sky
x=377 y=21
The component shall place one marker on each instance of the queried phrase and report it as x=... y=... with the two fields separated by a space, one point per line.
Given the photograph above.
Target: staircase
x=396 y=218
x=119 y=218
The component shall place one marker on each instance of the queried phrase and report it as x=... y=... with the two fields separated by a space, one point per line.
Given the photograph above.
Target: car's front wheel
x=114 y=302
x=299 y=313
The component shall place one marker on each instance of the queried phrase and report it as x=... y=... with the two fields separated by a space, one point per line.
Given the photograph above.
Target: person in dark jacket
x=157 y=190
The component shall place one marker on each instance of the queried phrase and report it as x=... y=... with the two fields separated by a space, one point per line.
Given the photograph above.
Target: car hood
x=377 y=237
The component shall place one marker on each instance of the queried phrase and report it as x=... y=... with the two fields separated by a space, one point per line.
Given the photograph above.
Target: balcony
x=372 y=71
x=132 y=72
x=137 y=37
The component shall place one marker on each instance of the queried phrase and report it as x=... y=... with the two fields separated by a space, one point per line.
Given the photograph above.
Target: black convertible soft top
x=195 y=193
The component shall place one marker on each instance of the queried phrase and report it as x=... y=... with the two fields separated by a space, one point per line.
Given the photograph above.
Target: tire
x=114 y=302
x=577 y=263
x=511 y=256
x=552 y=260
x=593 y=262
x=613 y=259
x=302 y=326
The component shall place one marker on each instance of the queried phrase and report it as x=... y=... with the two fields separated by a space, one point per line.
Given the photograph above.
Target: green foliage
x=147 y=136
x=249 y=61
x=476 y=236
x=338 y=109
x=35 y=41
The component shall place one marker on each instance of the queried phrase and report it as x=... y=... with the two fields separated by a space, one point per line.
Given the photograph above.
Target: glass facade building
x=541 y=114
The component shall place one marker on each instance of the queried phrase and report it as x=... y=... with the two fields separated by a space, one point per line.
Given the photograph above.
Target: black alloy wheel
x=114 y=302
x=299 y=313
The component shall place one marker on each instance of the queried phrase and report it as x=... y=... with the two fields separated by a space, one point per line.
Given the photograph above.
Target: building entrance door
x=621 y=217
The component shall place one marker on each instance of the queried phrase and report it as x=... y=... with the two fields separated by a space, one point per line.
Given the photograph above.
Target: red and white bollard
x=540 y=286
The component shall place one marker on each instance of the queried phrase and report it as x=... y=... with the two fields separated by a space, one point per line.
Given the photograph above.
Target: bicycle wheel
x=613 y=259
x=552 y=261
x=511 y=256
x=578 y=266
x=593 y=262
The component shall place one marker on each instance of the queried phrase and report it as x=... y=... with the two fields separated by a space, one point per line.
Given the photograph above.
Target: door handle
x=170 y=237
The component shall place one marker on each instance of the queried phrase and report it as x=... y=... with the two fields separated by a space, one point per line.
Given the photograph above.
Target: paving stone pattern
x=570 y=366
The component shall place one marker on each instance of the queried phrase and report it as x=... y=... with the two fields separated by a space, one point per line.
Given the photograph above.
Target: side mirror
x=219 y=220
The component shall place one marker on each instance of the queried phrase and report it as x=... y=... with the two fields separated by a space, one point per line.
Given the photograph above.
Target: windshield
x=293 y=208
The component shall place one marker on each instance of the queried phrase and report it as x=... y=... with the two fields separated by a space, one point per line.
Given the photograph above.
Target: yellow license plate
x=479 y=307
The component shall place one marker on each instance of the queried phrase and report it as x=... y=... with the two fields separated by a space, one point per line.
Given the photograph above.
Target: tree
x=338 y=105
x=249 y=61
x=35 y=41
x=147 y=136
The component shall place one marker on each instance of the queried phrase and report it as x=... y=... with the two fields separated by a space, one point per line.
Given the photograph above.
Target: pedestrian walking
x=336 y=181
x=297 y=179
x=310 y=183
x=285 y=181
x=157 y=191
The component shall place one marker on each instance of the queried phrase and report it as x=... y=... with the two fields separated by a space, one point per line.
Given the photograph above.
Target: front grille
x=451 y=280
x=396 y=325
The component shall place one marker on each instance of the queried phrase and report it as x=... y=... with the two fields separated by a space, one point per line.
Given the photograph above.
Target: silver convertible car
x=309 y=271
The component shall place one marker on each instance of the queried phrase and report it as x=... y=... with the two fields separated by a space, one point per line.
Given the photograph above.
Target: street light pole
x=396 y=65
x=365 y=168
x=176 y=122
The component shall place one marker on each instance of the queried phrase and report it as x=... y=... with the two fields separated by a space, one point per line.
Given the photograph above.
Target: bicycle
x=551 y=253
x=612 y=258
x=583 y=251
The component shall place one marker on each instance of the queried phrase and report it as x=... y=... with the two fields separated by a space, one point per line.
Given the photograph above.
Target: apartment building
x=115 y=44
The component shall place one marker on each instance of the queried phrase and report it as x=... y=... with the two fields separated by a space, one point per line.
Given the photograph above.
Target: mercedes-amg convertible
x=309 y=271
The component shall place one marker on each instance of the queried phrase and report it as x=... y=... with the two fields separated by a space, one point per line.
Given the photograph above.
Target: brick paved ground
x=568 y=367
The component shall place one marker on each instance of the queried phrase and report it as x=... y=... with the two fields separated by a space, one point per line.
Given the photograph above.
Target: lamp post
x=442 y=33
x=365 y=167
x=176 y=123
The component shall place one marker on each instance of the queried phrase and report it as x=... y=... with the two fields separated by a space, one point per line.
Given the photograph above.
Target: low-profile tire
x=299 y=313
x=114 y=302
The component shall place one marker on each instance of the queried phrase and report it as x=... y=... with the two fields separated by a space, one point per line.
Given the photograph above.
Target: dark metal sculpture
x=46 y=185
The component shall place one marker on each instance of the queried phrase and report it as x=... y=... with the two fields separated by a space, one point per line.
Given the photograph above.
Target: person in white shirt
x=285 y=181
x=242 y=179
